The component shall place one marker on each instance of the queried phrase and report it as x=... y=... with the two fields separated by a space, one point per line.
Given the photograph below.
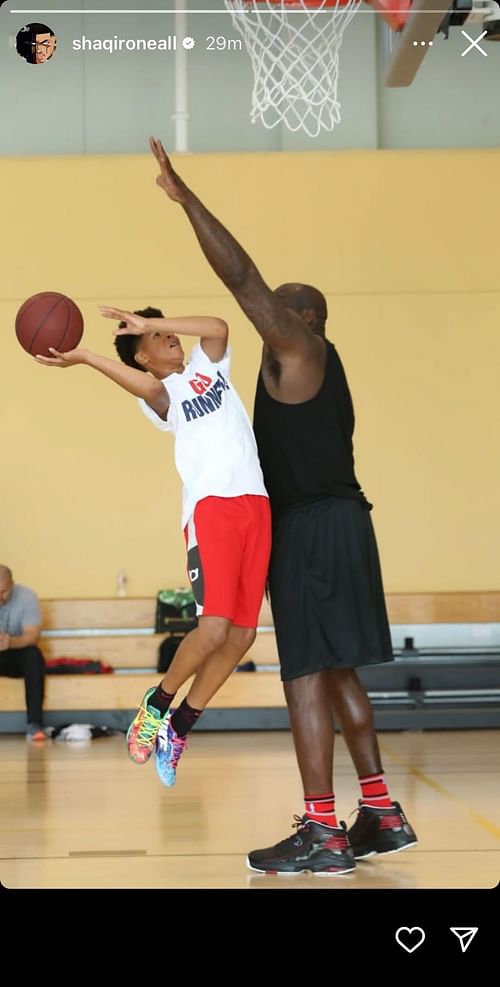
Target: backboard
x=414 y=25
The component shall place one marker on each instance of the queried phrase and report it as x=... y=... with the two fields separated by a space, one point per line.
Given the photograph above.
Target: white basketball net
x=295 y=60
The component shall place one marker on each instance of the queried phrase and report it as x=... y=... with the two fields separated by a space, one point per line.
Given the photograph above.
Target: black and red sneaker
x=316 y=848
x=380 y=831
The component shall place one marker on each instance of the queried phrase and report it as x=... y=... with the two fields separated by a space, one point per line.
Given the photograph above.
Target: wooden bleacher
x=120 y=633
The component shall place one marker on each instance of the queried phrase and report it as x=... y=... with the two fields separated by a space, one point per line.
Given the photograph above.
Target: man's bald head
x=307 y=302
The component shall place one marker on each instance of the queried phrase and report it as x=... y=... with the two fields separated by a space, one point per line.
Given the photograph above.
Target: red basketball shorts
x=229 y=544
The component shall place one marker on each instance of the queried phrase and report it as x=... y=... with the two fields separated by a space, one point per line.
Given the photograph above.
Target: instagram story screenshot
x=251 y=280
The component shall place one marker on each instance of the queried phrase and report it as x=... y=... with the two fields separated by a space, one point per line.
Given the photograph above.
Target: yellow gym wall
x=406 y=247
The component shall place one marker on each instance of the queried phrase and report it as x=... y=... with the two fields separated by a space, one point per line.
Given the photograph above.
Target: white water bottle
x=121 y=583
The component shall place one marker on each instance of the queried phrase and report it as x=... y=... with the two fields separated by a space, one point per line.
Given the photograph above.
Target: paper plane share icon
x=465 y=935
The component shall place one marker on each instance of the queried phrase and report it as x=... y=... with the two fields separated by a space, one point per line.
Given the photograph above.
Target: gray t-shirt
x=22 y=610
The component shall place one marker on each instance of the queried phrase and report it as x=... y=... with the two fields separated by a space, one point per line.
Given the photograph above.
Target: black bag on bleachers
x=175 y=613
x=166 y=651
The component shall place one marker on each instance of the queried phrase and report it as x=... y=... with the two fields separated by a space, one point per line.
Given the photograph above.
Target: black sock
x=184 y=718
x=161 y=700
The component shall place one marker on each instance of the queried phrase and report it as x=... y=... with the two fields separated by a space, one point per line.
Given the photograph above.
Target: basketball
x=49 y=319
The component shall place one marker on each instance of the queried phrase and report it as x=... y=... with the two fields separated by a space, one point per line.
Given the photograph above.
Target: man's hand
x=70 y=359
x=136 y=324
x=4 y=642
x=168 y=180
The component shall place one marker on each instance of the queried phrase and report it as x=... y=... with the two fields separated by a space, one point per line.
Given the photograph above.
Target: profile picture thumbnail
x=36 y=43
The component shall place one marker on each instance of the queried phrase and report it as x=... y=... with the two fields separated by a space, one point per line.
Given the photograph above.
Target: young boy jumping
x=225 y=515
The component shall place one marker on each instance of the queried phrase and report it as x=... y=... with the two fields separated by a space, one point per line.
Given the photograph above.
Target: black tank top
x=306 y=449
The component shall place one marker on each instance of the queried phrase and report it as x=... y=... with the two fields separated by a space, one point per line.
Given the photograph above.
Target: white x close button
x=474 y=44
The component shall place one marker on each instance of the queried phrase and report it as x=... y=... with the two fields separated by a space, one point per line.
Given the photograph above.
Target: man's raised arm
x=284 y=332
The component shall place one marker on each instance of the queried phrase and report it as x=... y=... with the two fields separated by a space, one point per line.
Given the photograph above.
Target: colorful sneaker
x=169 y=748
x=380 y=831
x=320 y=849
x=141 y=736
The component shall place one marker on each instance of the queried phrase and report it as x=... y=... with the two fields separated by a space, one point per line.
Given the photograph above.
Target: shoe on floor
x=314 y=848
x=380 y=831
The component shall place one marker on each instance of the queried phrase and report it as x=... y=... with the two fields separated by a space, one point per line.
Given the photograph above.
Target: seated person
x=20 y=624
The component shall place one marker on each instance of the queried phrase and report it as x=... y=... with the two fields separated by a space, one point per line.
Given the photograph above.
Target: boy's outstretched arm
x=136 y=382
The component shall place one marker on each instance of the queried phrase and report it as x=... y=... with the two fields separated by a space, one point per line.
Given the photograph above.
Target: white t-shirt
x=215 y=449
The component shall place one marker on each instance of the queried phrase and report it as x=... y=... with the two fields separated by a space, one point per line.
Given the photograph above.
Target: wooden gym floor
x=83 y=816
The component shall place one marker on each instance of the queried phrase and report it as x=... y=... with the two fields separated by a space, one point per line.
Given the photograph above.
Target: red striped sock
x=321 y=808
x=374 y=792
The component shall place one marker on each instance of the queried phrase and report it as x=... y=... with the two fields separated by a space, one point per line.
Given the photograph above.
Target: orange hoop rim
x=393 y=12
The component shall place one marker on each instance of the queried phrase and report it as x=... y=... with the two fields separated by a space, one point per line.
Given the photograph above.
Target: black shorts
x=326 y=589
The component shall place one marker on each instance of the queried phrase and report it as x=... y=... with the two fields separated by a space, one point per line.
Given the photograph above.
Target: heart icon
x=410 y=939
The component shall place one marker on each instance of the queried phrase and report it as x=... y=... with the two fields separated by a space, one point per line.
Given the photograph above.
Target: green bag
x=175 y=611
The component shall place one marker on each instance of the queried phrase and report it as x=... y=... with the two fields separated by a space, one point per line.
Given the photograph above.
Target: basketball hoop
x=294 y=48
